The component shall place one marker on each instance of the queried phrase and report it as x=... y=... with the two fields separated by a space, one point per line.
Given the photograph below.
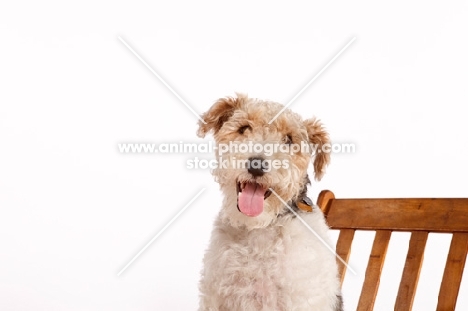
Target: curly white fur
x=281 y=267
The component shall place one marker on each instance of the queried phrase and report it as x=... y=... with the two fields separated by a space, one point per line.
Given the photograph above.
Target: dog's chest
x=258 y=259
x=260 y=244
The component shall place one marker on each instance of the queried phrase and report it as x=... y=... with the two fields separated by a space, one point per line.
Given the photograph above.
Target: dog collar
x=305 y=204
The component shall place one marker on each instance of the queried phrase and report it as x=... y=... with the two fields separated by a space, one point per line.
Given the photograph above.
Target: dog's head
x=256 y=158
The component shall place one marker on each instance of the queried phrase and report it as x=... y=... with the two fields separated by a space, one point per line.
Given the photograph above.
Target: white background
x=73 y=211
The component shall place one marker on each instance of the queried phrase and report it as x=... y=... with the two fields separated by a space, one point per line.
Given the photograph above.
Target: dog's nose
x=257 y=166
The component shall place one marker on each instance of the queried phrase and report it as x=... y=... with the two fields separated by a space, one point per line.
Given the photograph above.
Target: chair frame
x=420 y=216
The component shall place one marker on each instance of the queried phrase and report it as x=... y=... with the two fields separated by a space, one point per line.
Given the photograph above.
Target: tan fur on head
x=247 y=120
x=319 y=137
x=219 y=113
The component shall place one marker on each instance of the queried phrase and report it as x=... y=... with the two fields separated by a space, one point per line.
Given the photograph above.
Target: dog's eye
x=242 y=129
x=287 y=139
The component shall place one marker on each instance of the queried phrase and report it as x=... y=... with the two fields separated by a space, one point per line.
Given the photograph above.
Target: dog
x=261 y=256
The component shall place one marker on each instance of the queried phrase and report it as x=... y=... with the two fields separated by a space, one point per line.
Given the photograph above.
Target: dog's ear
x=219 y=113
x=318 y=137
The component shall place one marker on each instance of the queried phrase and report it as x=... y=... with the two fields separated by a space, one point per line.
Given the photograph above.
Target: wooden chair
x=418 y=216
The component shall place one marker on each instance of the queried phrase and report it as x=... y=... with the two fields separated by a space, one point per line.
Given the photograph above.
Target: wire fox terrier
x=261 y=256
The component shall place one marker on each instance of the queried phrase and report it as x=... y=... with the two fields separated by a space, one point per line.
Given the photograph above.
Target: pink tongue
x=251 y=200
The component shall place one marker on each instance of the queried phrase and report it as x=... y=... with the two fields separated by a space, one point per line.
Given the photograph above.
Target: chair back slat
x=374 y=270
x=410 y=276
x=453 y=272
x=343 y=249
x=434 y=215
